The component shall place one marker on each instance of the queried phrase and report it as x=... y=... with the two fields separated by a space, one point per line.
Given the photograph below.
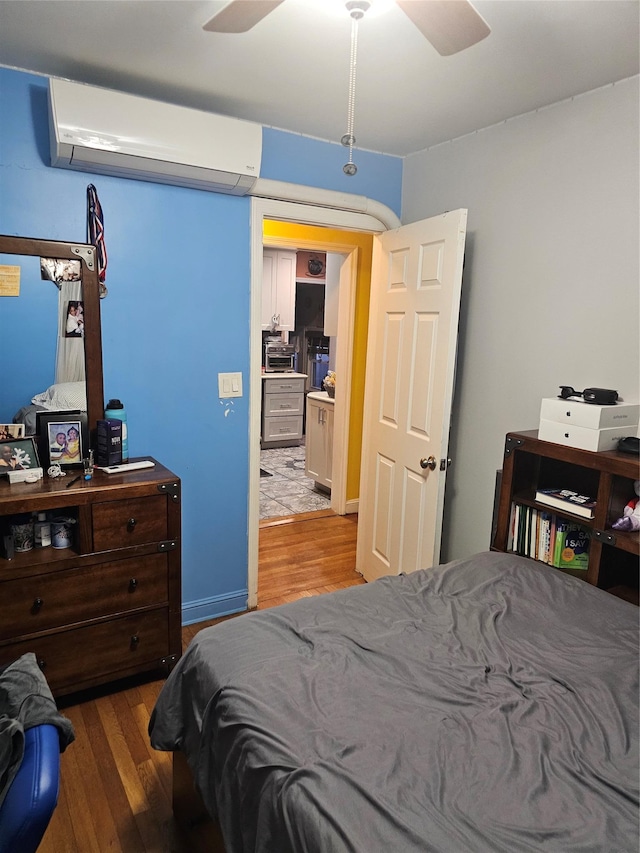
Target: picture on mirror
x=54 y=269
x=74 y=326
x=63 y=436
x=18 y=455
x=11 y=431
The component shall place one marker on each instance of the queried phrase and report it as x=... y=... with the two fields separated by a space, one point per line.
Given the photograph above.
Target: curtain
x=70 y=351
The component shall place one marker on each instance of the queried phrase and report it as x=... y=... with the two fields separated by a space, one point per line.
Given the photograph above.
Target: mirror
x=31 y=353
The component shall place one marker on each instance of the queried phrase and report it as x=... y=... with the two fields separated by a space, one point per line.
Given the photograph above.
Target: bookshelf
x=530 y=464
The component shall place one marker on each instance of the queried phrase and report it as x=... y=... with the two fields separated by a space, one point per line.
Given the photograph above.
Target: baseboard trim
x=212 y=608
x=352 y=506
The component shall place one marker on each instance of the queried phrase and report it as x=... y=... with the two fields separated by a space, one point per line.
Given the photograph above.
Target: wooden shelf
x=530 y=464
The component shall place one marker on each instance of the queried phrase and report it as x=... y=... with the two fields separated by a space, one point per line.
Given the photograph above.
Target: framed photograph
x=63 y=438
x=18 y=454
x=11 y=431
x=74 y=324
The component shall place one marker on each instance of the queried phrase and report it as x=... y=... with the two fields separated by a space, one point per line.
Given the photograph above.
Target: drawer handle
x=37 y=605
x=42 y=663
x=133 y=583
x=131 y=524
x=134 y=642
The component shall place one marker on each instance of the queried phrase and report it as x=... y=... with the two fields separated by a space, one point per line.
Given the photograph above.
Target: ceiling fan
x=450 y=25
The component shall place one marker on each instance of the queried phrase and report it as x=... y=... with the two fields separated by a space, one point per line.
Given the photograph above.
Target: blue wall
x=177 y=313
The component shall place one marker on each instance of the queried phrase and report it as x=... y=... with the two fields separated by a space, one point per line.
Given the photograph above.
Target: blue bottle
x=115 y=411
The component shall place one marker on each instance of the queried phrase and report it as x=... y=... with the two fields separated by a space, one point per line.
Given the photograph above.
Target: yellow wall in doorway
x=329 y=239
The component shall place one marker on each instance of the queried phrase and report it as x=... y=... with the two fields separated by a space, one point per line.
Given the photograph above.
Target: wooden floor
x=115 y=791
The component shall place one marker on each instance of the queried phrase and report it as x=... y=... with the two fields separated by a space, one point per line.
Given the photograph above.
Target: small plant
x=329 y=383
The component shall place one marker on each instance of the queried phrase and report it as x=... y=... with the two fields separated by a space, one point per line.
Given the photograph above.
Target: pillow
x=64 y=395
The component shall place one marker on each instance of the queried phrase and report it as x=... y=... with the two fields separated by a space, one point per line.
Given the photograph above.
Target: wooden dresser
x=110 y=605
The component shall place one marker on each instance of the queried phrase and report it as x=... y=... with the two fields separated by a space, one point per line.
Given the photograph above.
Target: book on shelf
x=568 y=501
x=572 y=551
x=545 y=537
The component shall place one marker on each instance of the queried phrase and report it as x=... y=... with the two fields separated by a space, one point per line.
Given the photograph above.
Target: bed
x=490 y=704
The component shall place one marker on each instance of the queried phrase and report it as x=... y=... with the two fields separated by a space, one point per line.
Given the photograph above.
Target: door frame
x=261 y=209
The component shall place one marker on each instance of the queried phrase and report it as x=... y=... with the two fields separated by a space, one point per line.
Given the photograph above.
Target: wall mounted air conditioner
x=112 y=133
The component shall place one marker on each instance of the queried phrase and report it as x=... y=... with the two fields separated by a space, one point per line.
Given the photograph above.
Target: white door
x=413 y=326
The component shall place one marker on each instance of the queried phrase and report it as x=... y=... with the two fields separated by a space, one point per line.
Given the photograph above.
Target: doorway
x=288 y=486
x=315 y=229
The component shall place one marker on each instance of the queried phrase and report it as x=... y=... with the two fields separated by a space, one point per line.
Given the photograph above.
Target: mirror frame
x=86 y=254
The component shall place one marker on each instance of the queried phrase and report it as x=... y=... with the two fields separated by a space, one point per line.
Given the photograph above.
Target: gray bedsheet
x=486 y=705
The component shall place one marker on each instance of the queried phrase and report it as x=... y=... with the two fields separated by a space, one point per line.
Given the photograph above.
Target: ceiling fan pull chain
x=352 y=82
x=356 y=10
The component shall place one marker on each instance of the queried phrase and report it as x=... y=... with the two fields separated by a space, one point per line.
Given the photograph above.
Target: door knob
x=428 y=463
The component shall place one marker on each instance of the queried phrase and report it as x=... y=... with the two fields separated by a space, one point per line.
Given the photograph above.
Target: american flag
x=95 y=234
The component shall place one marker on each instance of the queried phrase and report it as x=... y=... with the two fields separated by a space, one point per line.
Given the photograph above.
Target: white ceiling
x=291 y=70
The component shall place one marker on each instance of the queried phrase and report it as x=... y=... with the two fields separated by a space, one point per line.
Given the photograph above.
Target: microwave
x=279 y=357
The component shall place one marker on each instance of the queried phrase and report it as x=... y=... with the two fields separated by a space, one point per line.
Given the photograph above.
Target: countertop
x=322 y=396
x=284 y=375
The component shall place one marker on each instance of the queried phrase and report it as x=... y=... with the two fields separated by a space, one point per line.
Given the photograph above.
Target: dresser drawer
x=284 y=386
x=48 y=601
x=283 y=404
x=280 y=428
x=78 y=658
x=138 y=521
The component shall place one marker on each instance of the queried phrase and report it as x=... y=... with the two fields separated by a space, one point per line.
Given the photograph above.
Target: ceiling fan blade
x=450 y=25
x=239 y=16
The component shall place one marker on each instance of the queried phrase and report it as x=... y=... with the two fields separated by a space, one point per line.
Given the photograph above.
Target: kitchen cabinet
x=282 y=409
x=319 y=438
x=109 y=606
x=531 y=464
x=278 y=290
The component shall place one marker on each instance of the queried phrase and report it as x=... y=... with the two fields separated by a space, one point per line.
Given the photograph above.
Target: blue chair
x=33 y=793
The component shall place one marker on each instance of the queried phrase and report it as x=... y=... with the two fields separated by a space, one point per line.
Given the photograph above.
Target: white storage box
x=579 y=413
x=583 y=437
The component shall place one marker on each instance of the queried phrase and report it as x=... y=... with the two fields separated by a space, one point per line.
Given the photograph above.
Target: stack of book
x=548 y=538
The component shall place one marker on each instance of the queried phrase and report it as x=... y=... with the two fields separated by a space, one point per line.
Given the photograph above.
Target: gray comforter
x=486 y=705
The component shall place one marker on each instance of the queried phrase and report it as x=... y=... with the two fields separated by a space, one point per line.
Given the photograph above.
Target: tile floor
x=288 y=491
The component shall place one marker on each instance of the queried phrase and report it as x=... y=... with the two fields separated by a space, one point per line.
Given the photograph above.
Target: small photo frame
x=63 y=438
x=18 y=454
x=10 y=431
x=74 y=322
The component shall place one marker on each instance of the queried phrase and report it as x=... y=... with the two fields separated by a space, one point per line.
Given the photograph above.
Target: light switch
x=230 y=384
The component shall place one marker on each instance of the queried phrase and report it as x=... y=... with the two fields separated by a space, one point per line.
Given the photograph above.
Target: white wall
x=550 y=288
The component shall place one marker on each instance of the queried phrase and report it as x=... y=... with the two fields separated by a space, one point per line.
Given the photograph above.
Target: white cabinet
x=332 y=294
x=279 y=290
x=319 y=438
x=282 y=409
